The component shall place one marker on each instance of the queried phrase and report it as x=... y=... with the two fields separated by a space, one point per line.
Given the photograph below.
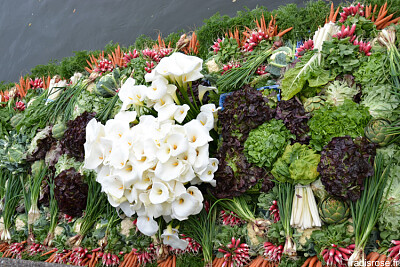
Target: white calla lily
x=164 y=152
x=208 y=174
x=114 y=186
x=187 y=174
x=145 y=181
x=213 y=163
x=202 y=159
x=183 y=206
x=127 y=208
x=126 y=116
x=179 y=68
x=169 y=170
x=196 y=193
x=94 y=131
x=157 y=89
x=203 y=89
x=197 y=134
x=163 y=101
x=119 y=155
x=206 y=119
x=147 y=225
x=167 y=112
x=159 y=193
x=132 y=94
x=181 y=112
x=178 y=143
x=170 y=237
x=94 y=156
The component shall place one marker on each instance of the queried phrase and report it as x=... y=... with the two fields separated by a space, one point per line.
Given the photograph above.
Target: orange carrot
x=374 y=257
x=331 y=12
x=66 y=255
x=381 y=260
x=369 y=256
x=384 y=20
x=285 y=31
x=48 y=252
x=313 y=261
x=393 y=21
x=335 y=15
x=173 y=261
x=264 y=263
x=306 y=262
x=319 y=264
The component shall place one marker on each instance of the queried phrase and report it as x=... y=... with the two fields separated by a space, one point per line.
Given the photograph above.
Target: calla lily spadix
x=197 y=134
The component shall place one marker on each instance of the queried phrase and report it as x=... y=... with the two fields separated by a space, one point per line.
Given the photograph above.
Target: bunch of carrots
x=382 y=21
x=376 y=259
x=312 y=262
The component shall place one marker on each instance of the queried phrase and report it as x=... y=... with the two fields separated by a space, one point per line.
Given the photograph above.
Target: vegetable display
x=243 y=144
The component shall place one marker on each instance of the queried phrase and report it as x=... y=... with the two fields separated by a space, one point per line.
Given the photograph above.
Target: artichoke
x=314 y=103
x=333 y=211
x=70 y=192
x=375 y=132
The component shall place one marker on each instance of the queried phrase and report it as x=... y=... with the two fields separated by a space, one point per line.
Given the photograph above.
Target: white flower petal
x=184 y=206
x=159 y=193
x=197 y=134
x=147 y=225
x=181 y=112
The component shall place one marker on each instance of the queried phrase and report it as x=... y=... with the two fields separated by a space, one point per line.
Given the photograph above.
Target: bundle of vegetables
x=11 y=199
x=368 y=208
x=272 y=252
x=298 y=165
x=337 y=256
x=285 y=196
x=235 y=253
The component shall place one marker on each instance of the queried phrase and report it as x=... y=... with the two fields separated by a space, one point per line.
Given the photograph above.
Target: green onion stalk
x=12 y=197
x=34 y=188
x=285 y=203
x=95 y=206
x=237 y=77
x=26 y=194
x=255 y=226
x=53 y=208
x=64 y=105
x=202 y=229
x=113 y=219
x=368 y=208
x=3 y=180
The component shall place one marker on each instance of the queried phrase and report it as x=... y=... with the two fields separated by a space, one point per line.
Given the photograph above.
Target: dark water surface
x=34 y=31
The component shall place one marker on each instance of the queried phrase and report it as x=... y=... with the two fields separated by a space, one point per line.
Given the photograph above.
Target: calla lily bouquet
x=170 y=90
x=144 y=169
